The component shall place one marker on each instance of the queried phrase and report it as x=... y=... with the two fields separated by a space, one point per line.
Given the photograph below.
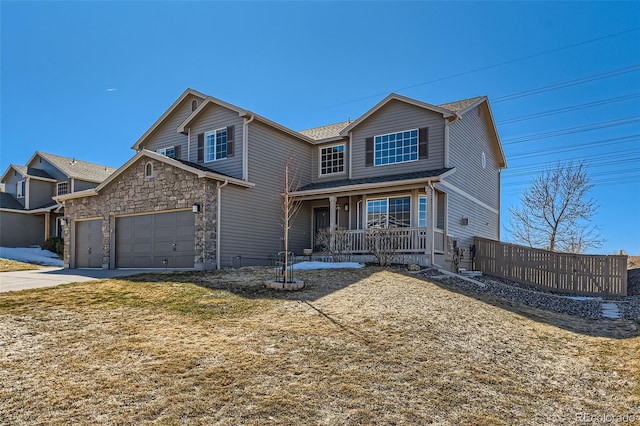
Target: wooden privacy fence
x=582 y=274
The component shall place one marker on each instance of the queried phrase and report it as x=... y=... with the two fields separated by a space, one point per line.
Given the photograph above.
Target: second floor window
x=20 y=190
x=215 y=145
x=332 y=160
x=167 y=152
x=396 y=147
x=63 y=188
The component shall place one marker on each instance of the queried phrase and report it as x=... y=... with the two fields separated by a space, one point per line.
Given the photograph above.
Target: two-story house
x=203 y=189
x=28 y=213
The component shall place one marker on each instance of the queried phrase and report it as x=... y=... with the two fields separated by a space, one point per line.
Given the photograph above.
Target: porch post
x=332 y=213
x=430 y=222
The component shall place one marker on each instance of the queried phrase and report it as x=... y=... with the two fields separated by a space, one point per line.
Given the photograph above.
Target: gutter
x=219 y=216
x=245 y=147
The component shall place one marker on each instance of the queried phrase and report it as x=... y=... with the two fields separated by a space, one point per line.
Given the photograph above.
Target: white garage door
x=156 y=240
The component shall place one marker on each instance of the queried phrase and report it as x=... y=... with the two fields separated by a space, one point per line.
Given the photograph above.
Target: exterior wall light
x=195 y=208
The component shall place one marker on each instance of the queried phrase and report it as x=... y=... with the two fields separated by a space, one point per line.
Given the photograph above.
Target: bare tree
x=556 y=211
x=335 y=244
x=383 y=244
x=290 y=207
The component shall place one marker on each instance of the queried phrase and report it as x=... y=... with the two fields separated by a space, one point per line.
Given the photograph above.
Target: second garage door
x=156 y=240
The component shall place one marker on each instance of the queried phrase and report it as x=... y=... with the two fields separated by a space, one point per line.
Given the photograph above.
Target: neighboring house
x=28 y=213
x=203 y=188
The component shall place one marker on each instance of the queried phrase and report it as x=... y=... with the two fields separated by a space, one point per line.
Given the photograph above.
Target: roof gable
x=395 y=97
x=168 y=113
x=74 y=169
x=22 y=170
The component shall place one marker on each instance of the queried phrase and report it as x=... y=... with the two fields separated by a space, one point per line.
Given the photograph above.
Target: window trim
x=163 y=151
x=215 y=145
x=21 y=188
x=417 y=153
x=148 y=167
x=387 y=198
x=344 y=163
x=66 y=183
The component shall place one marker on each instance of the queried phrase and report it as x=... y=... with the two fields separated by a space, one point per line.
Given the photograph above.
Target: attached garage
x=156 y=240
x=89 y=244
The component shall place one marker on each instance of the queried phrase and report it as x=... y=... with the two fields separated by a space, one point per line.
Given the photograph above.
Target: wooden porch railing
x=408 y=240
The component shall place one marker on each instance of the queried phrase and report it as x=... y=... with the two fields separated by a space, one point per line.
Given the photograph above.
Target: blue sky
x=86 y=79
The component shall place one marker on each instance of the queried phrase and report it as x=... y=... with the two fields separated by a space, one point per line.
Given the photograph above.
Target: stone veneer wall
x=170 y=188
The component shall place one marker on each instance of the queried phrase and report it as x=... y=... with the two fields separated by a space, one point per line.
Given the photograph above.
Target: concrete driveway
x=49 y=277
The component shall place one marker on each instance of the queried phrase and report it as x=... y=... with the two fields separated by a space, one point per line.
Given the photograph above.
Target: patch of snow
x=306 y=266
x=583 y=298
x=31 y=255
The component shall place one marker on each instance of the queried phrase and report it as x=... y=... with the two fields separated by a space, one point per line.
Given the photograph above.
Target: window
x=194 y=105
x=422 y=211
x=63 y=188
x=167 y=152
x=389 y=212
x=215 y=146
x=396 y=147
x=148 y=170
x=20 y=189
x=332 y=160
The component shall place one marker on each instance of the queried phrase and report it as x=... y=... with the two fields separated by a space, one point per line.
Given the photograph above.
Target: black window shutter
x=368 y=152
x=201 y=147
x=423 y=137
x=230 y=141
x=176 y=152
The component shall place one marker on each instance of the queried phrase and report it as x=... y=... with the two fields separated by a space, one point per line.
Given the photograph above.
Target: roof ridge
x=74 y=159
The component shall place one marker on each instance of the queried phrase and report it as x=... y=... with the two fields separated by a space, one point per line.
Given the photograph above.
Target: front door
x=321 y=221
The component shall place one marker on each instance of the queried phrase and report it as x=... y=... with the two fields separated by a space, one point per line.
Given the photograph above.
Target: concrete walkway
x=49 y=277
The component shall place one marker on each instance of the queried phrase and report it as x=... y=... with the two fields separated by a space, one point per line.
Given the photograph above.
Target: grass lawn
x=7 y=265
x=357 y=347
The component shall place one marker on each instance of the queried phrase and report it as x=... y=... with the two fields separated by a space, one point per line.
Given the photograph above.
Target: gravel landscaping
x=585 y=307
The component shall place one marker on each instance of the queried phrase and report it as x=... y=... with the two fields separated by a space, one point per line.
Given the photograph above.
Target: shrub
x=54 y=244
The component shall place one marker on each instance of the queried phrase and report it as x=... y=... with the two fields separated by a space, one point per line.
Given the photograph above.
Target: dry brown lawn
x=7 y=265
x=355 y=347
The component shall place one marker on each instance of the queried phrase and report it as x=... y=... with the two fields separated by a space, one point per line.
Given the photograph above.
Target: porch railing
x=407 y=240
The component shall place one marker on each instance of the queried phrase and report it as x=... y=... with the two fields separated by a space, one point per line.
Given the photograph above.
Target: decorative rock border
x=278 y=285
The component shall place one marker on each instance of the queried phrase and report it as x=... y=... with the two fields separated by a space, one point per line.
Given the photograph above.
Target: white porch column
x=332 y=213
x=431 y=216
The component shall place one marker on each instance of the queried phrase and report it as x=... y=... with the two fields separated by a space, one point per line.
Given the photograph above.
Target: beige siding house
x=203 y=189
x=28 y=213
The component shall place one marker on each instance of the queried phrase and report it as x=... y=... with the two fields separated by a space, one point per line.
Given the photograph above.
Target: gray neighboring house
x=203 y=189
x=28 y=213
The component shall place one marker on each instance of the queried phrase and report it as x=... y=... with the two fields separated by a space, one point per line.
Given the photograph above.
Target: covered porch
x=349 y=221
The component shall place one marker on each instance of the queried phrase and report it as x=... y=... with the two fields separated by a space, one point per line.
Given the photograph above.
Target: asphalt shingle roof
x=78 y=169
x=38 y=173
x=458 y=106
x=377 y=179
x=328 y=131
x=8 y=201
x=202 y=168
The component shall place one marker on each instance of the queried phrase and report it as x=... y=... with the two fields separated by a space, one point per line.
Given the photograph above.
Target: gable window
x=20 y=189
x=397 y=147
x=63 y=188
x=389 y=212
x=148 y=170
x=215 y=146
x=332 y=160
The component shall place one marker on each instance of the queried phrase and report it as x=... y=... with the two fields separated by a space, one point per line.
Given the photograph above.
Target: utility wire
x=572 y=130
x=603 y=142
x=575 y=82
x=507 y=62
x=570 y=108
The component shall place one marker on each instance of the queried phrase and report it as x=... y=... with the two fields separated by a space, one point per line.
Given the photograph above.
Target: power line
x=572 y=130
x=510 y=61
x=570 y=108
x=602 y=142
x=575 y=82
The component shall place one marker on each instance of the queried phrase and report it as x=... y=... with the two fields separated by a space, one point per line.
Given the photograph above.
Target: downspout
x=189 y=144
x=245 y=148
x=219 y=216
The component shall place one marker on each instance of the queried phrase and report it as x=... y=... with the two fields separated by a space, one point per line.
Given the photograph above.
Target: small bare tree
x=290 y=206
x=336 y=245
x=383 y=243
x=555 y=211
